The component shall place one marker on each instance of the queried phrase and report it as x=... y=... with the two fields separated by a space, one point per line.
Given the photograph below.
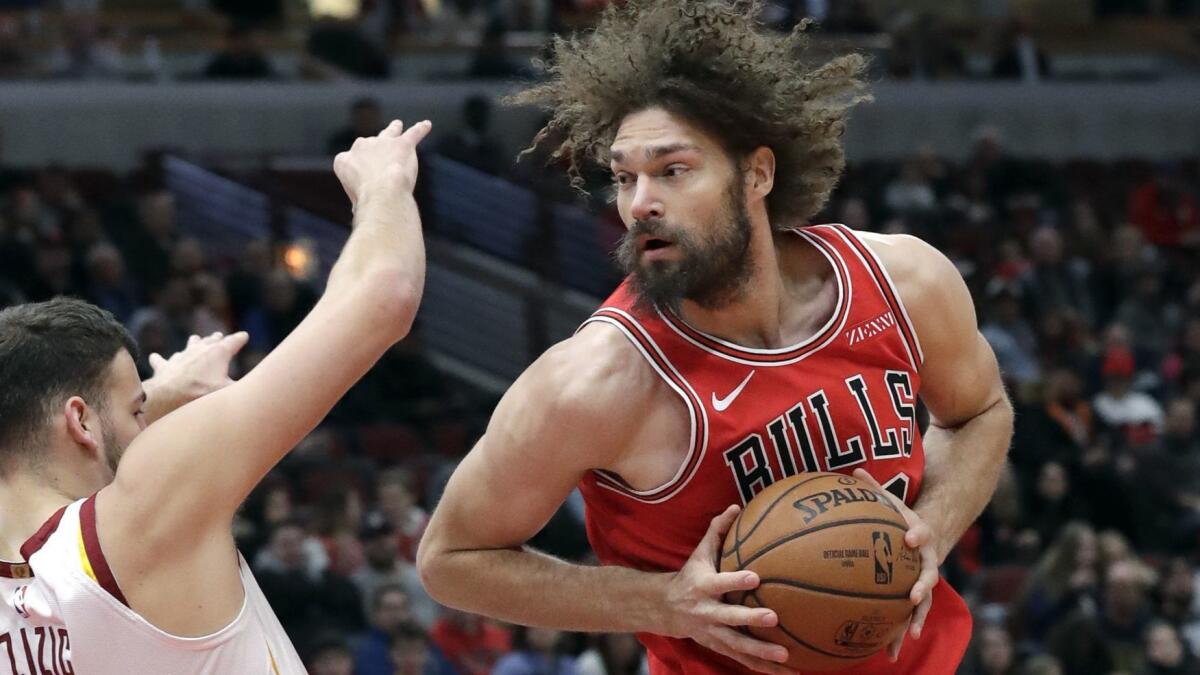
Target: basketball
x=830 y=555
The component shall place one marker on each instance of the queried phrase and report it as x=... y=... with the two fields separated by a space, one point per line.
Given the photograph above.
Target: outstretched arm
x=165 y=520
x=567 y=414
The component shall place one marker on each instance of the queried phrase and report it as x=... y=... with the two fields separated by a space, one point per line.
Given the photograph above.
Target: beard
x=712 y=267
x=113 y=449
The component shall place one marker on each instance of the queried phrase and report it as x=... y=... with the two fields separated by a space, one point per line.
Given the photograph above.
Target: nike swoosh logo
x=720 y=404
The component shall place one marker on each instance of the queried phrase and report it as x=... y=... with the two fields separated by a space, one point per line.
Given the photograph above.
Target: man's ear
x=83 y=423
x=760 y=178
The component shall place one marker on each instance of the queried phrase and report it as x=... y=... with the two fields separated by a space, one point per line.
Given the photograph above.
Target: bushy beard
x=712 y=268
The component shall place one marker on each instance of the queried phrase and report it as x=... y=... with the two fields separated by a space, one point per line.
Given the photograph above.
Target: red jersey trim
x=95 y=555
x=698 y=443
x=38 y=540
x=787 y=355
x=888 y=289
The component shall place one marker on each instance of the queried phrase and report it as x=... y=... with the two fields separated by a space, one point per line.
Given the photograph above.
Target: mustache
x=653 y=228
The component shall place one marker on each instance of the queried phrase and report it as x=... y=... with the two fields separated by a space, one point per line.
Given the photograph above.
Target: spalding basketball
x=830 y=555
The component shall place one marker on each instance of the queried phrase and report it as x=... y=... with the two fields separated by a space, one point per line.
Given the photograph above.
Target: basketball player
x=118 y=534
x=744 y=346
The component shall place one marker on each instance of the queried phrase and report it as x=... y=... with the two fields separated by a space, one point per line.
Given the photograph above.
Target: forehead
x=643 y=131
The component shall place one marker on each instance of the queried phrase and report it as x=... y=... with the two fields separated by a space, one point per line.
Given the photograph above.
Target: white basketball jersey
x=61 y=613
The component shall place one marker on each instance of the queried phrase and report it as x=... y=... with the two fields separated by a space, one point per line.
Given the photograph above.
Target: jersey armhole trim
x=95 y=565
x=698 y=441
x=890 y=293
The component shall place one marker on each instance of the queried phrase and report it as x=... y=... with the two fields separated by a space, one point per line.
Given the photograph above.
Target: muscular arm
x=164 y=522
x=560 y=419
x=576 y=409
x=971 y=418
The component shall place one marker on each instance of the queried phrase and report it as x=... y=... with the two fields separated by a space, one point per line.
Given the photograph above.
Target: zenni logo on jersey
x=870 y=328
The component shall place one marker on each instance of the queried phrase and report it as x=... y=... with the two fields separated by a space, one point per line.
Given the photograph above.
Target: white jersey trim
x=845 y=296
x=693 y=459
x=914 y=360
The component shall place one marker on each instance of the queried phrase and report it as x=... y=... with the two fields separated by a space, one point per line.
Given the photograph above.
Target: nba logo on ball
x=881 y=543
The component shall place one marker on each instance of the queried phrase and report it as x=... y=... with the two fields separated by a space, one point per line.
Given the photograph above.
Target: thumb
x=234 y=343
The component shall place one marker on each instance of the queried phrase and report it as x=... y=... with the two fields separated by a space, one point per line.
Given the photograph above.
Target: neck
x=774 y=307
x=26 y=501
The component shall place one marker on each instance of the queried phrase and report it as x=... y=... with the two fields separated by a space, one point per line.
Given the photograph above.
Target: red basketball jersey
x=843 y=399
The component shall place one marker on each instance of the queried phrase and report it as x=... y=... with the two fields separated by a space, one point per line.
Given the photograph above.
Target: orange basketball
x=830 y=555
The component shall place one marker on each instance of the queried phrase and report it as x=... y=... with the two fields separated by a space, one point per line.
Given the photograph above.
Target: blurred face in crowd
x=682 y=200
x=105 y=265
x=391 y=610
x=158 y=214
x=382 y=550
x=409 y=655
x=995 y=650
x=188 y=257
x=1047 y=246
x=1163 y=646
x=1124 y=591
x=287 y=543
x=1052 y=482
x=1178 y=584
x=395 y=500
x=1181 y=418
x=332 y=661
x=1087 y=550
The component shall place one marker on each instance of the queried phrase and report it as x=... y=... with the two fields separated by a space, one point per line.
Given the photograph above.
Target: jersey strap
x=91 y=557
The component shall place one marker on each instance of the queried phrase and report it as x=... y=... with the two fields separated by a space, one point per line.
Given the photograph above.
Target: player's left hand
x=920 y=537
x=201 y=368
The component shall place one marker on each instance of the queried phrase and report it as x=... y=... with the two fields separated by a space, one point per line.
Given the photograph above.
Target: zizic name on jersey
x=43 y=650
x=799 y=448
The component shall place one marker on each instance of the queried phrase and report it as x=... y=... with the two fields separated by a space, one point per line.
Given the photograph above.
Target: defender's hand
x=386 y=163
x=201 y=368
x=696 y=609
x=919 y=536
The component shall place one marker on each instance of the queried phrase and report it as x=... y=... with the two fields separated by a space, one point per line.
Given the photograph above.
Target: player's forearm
x=962 y=466
x=385 y=248
x=530 y=588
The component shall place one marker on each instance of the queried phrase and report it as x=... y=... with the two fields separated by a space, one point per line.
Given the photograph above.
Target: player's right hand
x=385 y=164
x=697 y=610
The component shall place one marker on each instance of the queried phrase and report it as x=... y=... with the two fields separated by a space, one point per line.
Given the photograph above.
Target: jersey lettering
x=751 y=470
x=880 y=449
x=899 y=386
x=46 y=651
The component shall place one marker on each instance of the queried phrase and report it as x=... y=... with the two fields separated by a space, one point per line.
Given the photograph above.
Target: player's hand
x=696 y=608
x=385 y=164
x=920 y=537
x=200 y=369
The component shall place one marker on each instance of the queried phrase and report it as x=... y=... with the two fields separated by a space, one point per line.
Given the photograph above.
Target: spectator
x=1020 y=57
x=284 y=304
x=1011 y=336
x=470 y=643
x=341 y=44
x=993 y=652
x=1079 y=645
x=1054 y=283
x=366 y=119
x=241 y=58
x=1165 y=212
x=1064 y=579
x=396 y=492
x=87 y=50
x=1135 y=417
x=1042 y=664
x=107 y=285
x=383 y=567
x=413 y=654
x=536 y=651
x=1050 y=506
x=492 y=60
x=911 y=191
x=1166 y=653
x=474 y=144
x=1126 y=613
x=389 y=613
x=147 y=245
x=331 y=656
x=306 y=597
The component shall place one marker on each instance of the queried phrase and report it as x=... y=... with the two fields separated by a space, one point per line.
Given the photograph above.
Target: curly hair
x=712 y=63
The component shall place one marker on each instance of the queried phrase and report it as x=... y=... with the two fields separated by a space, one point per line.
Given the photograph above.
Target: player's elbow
x=432 y=566
x=395 y=295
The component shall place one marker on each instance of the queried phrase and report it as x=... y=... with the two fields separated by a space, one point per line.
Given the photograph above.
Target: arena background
x=171 y=162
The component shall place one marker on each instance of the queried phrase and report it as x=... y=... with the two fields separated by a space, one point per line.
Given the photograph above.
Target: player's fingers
x=417 y=132
x=193 y=340
x=728 y=582
x=928 y=577
x=710 y=545
x=894 y=647
x=233 y=343
x=918 y=618
x=156 y=361
x=918 y=535
x=212 y=339
x=394 y=129
x=736 y=615
x=746 y=646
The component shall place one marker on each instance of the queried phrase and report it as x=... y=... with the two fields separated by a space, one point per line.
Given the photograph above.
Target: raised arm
x=577 y=408
x=164 y=522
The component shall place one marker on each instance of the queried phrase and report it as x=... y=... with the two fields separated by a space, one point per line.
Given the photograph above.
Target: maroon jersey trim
x=95 y=555
x=39 y=538
x=698 y=442
x=14 y=570
x=787 y=355
x=888 y=288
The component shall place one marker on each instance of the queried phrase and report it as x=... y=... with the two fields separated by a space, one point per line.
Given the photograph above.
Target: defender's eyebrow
x=654 y=152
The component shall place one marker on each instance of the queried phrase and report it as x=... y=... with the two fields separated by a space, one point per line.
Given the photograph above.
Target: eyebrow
x=654 y=152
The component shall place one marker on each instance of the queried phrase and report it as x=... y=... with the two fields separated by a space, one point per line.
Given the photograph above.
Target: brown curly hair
x=712 y=63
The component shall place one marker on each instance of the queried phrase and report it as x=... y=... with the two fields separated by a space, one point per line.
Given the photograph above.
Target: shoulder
x=924 y=277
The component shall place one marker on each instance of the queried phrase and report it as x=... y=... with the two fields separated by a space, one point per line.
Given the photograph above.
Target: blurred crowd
x=346 y=39
x=1086 y=278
